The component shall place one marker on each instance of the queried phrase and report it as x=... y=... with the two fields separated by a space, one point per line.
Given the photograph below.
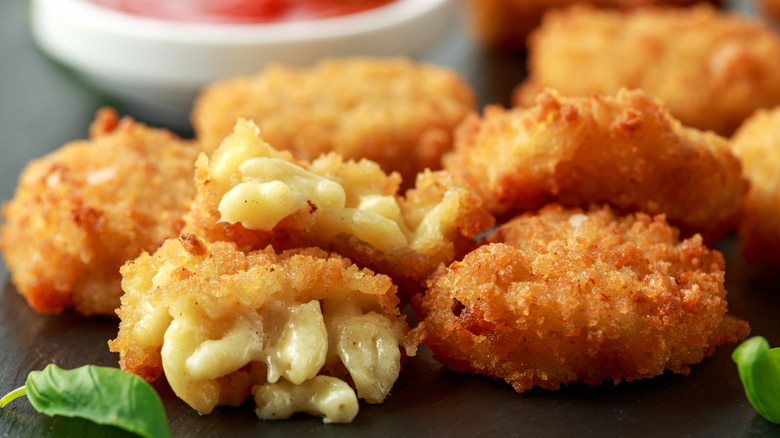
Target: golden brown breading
x=222 y=323
x=80 y=212
x=711 y=68
x=507 y=23
x=253 y=195
x=757 y=144
x=566 y=295
x=391 y=111
x=624 y=150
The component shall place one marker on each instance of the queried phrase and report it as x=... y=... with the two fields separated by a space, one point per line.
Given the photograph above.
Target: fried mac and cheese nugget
x=81 y=211
x=757 y=144
x=391 y=111
x=290 y=328
x=253 y=195
x=624 y=150
x=712 y=69
x=566 y=295
x=507 y=23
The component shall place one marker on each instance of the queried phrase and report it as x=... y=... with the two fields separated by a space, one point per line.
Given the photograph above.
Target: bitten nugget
x=80 y=212
x=712 y=69
x=757 y=144
x=507 y=23
x=623 y=150
x=566 y=295
x=253 y=195
x=290 y=328
x=391 y=111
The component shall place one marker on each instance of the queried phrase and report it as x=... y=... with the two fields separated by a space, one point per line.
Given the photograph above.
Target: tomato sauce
x=241 y=11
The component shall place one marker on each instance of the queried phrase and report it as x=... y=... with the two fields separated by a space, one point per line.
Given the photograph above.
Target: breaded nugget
x=567 y=295
x=757 y=144
x=391 y=111
x=507 y=23
x=253 y=195
x=624 y=150
x=291 y=328
x=712 y=69
x=81 y=211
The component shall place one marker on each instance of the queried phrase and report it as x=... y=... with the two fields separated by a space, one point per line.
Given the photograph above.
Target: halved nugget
x=290 y=328
x=253 y=195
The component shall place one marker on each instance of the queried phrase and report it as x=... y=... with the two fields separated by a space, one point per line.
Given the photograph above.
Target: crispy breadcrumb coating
x=507 y=23
x=624 y=150
x=253 y=195
x=222 y=323
x=567 y=295
x=712 y=69
x=392 y=111
x=757 y=144
x=83 y=210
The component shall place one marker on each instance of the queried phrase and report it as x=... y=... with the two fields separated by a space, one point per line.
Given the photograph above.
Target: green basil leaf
x=99 y=394
x=759 y=369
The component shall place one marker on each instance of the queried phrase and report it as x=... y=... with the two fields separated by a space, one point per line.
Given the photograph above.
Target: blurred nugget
x=81 y=211
x=624 y=150
x=391 y=111
x=566 y=295
x=711 y=69
x=757 y=144
x=507 y=23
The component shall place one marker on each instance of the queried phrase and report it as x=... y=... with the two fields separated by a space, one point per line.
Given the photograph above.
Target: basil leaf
x=759 y=369
x=99 y=394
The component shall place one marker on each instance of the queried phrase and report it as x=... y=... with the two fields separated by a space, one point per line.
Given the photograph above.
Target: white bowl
x=158 y=66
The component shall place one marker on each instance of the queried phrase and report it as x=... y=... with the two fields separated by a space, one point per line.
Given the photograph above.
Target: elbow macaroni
x=367 y=345
x=325 y=396
x=289 y=338
x=272 y=189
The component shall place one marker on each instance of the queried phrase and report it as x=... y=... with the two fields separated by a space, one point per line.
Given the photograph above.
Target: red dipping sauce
x=241 y=11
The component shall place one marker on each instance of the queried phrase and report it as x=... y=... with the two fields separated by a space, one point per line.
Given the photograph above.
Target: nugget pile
x=564 y=295
x=273 y=266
